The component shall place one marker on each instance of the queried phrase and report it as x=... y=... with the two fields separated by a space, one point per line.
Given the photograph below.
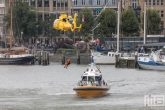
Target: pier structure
x=41 y=57
x=126 y=61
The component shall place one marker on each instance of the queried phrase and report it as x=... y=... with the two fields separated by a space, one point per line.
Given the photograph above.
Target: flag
x=82 y=18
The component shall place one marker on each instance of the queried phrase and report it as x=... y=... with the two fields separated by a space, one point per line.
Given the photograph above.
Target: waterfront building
x=2 y=24
x=95 y=5
x=131 y=43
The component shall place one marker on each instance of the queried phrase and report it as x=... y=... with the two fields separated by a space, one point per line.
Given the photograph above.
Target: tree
x=129 y=22
x=24 y=20
x=88 y=21
x=49 y=30
x=108 y=22
x=153 y=22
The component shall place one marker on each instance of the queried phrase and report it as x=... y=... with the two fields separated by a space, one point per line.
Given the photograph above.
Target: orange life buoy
x=160 y=56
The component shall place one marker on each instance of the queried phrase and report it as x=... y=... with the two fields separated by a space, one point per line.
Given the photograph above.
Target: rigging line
x=99 y=15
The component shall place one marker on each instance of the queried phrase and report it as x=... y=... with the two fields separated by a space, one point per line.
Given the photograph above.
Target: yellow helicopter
x=64 y=23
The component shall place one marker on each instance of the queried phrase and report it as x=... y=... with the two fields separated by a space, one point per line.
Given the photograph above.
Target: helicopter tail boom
x=74 y=24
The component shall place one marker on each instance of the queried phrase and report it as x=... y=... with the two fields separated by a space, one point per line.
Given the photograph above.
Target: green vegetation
x=129 y=22
x=108 y=22
x=153 y=20
x=49 y=30
x=24 y=20
x=88 y=21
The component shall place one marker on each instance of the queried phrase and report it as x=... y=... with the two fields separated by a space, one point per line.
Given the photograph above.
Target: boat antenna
x=98 y=69
x=11 y=3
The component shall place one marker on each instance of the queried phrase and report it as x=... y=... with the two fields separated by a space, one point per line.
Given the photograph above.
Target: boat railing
x=89 y=83
x=128 y=55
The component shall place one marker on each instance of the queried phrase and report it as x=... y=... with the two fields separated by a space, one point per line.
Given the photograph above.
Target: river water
x=36 y=87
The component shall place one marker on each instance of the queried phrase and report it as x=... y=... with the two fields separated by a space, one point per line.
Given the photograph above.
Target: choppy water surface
x=51 y=88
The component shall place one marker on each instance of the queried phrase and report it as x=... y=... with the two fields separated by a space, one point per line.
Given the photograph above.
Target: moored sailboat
x=16 y=55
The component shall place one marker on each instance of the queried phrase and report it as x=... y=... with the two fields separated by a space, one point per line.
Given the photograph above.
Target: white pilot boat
x=91 y=84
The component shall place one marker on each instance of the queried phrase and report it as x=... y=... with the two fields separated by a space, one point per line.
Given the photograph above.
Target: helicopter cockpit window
x=56 y=21
x=64 y=19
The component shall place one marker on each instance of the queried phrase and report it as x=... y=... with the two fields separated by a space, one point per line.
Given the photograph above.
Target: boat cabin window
x=162 y=52
x=84 y=78
x=97 y=78
x=91 y=78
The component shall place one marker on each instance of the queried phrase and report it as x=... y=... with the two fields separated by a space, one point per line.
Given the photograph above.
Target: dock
x=41 y=57
x=126 y=62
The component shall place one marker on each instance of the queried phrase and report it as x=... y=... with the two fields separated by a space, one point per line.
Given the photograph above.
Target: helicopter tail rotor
x=74 y=25
x=79 y=28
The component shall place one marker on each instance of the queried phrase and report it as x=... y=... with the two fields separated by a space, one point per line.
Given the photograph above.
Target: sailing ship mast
x=11 y=2
x=118 y=24
x=144 y=23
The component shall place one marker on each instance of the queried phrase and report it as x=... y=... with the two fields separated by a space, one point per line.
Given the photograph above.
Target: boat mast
x=118 y=23
x=11 y=2
x=144 y=23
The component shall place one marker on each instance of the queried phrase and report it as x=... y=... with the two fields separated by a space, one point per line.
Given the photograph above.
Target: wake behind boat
x=91 y=85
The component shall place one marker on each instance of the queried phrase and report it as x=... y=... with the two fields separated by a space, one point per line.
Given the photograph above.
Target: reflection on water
x=51 y=88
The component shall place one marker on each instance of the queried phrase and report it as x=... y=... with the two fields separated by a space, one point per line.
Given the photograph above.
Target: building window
x=39 y=3
x=158 y=11
x=98 y=2
x=97 y=13
x=75 y=2
x=62 y=3
x=157 y=2
x=1 y=19
x=2 y=1
x=39 y=15
x=58 y=3
x=2 y=11
x=153 y=2
x=138 y=2
x=83 y=2
x=27 y=2
x=113 y=2
x=46 y=16
x=32 y=2
x=90 y=2
x=54 y=3
x=146 y=2
x=134 y=4
x=46 y=3
x=161 y=2
x=106 y=1
x=162 y=13
x=149 y=2
x=66 y=3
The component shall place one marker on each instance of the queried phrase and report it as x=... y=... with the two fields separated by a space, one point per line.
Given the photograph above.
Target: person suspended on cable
x=68 y=61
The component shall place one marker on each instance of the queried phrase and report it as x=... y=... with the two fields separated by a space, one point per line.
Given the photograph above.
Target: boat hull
x=101 y=58
x=18 y=61
x=151 y=65
x=91 y=91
